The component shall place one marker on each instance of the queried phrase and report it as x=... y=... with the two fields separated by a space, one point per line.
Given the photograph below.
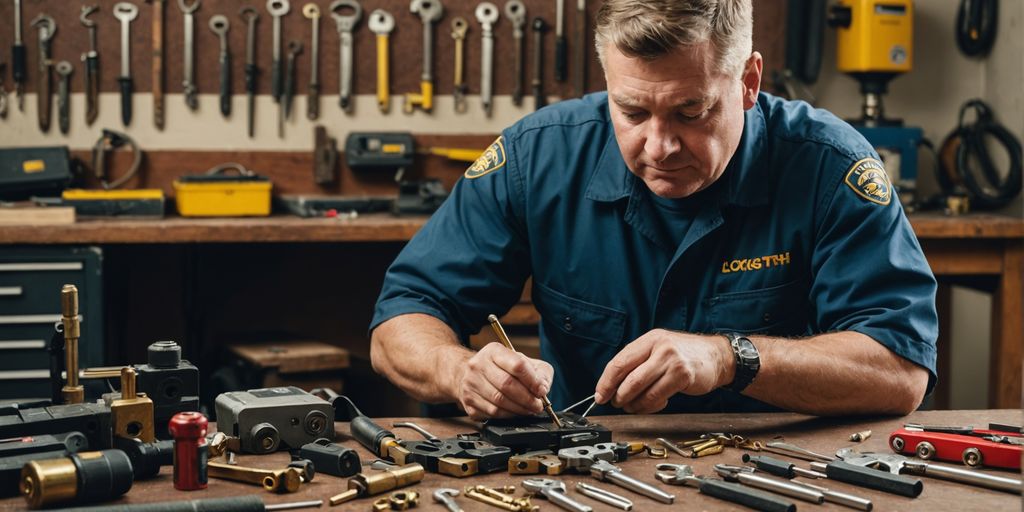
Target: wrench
x=220 y=25
x=157 y=68
x=382 y=23
x=288 y=91
x=277 y=9
x=189 y=82
x=47 y=27
x=18 y=58
x=446 y=497
x=561 y=48
x=516 y=12
x=64 y=70
x=312 y=13
x=3 y=92
x=608 y=472
x=487 y=15
x=250 y=17
x=92 y=66
x=580 y=53
x=126 y=12
x=459 y=28
x=539 y=27
x=429 y=11
x=345 y=24
x=554 y=491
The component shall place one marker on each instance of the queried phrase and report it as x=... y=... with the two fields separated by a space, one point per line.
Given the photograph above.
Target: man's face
x=678 y=119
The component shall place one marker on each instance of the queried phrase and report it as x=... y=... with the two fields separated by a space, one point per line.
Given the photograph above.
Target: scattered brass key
x=280 y=480
x=501 y=498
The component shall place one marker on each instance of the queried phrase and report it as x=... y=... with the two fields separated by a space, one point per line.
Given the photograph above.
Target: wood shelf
x=377 y=227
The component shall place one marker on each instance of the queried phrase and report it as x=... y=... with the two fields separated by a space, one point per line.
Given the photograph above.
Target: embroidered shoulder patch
x=869 y=180
x=492 y=160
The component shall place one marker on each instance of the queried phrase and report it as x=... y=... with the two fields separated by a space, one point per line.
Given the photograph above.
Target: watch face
x=748 y=352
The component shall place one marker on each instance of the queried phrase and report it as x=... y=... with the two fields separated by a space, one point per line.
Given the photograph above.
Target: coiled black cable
x=976 y=22
x=966 y=161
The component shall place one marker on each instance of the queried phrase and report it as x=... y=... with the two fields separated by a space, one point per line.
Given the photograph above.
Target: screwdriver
x=232 y=504
x=500 y=332
x=18 y=58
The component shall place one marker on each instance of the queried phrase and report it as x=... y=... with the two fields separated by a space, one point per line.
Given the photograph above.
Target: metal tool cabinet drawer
x=31 y=279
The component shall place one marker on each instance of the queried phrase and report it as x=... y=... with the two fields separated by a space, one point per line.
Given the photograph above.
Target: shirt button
x=567 y=323
x=767 y=317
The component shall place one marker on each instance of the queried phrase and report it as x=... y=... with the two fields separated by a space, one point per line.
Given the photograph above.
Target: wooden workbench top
x=818 y=434
x=376 y=227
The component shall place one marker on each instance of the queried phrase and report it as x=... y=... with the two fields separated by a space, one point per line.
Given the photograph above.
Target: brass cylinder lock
x=64 y=480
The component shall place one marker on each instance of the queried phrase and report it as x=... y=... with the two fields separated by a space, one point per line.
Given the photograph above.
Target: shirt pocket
x=779 y=310
x=575 y=318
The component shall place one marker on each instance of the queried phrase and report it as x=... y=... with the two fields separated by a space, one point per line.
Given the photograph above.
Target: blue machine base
x=903 y=139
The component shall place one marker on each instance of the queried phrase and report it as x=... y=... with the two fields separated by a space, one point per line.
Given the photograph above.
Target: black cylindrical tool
x=738 y=493
x=871 y=478
x=147 y=458
x=81 y=477
x=232 y=504
x=332 y=459
x=779 y=467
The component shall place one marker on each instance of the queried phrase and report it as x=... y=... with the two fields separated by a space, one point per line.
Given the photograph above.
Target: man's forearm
x=418 y=353
x=836 y=373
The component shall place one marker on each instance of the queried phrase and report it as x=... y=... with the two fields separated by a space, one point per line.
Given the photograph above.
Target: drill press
x=874 y=44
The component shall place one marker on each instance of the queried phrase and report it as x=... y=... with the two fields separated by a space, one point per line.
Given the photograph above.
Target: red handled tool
x=998 y=446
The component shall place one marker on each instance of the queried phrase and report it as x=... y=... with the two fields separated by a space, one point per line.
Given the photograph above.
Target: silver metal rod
x=841 y=498
x=606 y=497
x=628 y=482
x=294 y=505
x=780 y=487
x=987 y=480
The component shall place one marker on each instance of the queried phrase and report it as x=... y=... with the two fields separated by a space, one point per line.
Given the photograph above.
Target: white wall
x=930 y=97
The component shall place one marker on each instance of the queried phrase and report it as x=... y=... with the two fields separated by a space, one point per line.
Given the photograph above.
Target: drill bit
x=500 y=332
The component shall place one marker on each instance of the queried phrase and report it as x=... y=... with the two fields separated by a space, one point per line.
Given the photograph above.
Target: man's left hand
x=643 y=376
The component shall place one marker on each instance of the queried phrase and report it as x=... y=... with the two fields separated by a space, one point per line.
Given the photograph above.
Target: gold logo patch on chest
x=758 y=263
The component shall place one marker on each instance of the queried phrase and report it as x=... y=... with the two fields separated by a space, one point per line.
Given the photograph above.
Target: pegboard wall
x=405 y=45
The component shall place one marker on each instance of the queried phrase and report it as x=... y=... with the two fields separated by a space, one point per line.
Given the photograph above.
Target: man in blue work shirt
x=695 y=245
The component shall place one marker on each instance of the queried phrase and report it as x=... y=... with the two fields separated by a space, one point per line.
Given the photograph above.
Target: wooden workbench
x=977 y=250
x=818 y=434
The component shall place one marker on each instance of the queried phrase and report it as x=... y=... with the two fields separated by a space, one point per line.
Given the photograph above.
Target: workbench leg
x=1008 y=330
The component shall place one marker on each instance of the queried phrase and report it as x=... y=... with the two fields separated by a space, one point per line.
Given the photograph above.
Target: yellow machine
x=874 y=44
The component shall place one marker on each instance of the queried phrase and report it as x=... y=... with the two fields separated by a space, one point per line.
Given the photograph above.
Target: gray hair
x=649 y=29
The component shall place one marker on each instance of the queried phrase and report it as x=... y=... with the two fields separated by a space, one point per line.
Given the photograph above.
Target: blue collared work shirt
x=801 y=235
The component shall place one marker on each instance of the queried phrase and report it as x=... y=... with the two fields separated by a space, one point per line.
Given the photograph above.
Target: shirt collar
x=745 y=177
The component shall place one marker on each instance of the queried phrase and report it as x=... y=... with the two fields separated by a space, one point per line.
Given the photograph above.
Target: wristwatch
x=748 y=361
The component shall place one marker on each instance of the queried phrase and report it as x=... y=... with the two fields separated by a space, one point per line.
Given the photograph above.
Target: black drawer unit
x=31 y=279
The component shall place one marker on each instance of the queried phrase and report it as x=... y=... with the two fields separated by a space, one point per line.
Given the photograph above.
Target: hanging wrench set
x=497 y=38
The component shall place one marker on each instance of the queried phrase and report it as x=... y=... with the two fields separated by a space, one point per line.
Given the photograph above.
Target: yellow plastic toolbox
x=220 y=195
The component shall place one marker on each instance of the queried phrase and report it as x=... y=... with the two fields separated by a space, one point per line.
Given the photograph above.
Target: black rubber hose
x=976 y=22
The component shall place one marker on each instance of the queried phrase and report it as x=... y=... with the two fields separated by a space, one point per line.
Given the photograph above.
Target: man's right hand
x=498 y=383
